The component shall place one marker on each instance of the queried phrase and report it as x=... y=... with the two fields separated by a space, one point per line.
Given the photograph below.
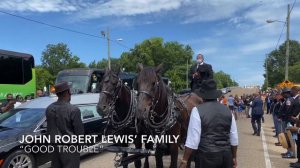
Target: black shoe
x=275 y=136
x=294 y=163
x=288 y=156
x=258 y=134
x=254 y=133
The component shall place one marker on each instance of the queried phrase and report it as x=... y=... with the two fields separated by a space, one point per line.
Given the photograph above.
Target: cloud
x=37 y=6
x=127 y=8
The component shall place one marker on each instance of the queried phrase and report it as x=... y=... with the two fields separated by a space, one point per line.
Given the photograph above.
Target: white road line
x=266 y=153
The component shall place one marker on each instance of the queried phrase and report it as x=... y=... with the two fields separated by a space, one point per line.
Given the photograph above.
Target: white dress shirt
x=194 y=131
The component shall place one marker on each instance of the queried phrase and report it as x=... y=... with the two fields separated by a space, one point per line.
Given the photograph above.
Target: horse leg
x=174 y=155
x=125 y=154
x=147 y=146
x=159 y=157
x=138 y=145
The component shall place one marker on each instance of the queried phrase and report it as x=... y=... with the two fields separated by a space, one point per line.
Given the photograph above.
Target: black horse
x=156 y=112
x=118 y=102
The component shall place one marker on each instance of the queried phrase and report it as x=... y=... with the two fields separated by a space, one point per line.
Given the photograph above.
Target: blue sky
x=232 y=34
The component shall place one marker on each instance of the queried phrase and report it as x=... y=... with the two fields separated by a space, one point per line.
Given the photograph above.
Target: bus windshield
x=77 y=83
x=17 y=74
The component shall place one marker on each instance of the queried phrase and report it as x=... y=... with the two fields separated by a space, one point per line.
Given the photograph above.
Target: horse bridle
x=153 y=102
x=115 y=94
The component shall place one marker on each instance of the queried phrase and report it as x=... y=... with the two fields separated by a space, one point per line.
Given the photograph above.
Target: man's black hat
x=285 y=90
x=208 y=90
x=60 y=87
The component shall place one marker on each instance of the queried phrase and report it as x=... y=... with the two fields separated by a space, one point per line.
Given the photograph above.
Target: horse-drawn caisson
x=150 y=110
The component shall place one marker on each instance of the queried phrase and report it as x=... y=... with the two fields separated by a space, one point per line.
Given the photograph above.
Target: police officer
x=199 y=72
x=286 y=117
x=64 y=119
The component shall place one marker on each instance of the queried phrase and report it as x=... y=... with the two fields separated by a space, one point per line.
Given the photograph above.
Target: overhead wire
x=284 y=25
x=62 y=28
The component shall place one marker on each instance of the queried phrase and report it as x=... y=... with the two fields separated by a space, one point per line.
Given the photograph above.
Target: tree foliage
x=275 y=64
x=57 y=57
x=154 y=51
x=224 y=80
x=176 y=58
x=103 y=64
x=43 y=78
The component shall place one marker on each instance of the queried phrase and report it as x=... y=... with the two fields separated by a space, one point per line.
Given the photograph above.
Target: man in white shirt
x=212 y=131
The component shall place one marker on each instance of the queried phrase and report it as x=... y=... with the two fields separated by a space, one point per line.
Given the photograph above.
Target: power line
x=62 y=28
x=292 y=6
x=284 y=25
x=50 y=25
x=280 y=35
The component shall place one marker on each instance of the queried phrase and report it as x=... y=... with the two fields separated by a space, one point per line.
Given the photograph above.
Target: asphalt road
x=253 y=151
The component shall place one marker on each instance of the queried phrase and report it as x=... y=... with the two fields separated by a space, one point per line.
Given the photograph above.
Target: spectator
x=64 y=119
x=27 y=98
x=231 y=103
x=257 y=113
x=19 y=101
x=39 y=93
x=8 y=104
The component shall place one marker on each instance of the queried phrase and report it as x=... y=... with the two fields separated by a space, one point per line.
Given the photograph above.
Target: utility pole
x=107 y=35
x=267 y=73
x=287 y=44
x=187 y=72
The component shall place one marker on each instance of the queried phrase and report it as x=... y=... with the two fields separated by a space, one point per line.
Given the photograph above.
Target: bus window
x=16 y=70
x=78 y=83
x=18 y=74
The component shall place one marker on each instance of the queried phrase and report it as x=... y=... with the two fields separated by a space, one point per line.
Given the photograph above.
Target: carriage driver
x=212 y=131
x=199 y=72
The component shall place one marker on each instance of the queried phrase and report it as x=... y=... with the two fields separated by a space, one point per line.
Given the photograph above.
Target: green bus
x=17 y=74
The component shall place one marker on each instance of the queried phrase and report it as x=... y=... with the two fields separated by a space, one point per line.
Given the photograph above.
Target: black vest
x=215 y=127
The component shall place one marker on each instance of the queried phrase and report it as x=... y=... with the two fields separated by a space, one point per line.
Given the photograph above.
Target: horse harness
x=169 y=117
x=119 y=125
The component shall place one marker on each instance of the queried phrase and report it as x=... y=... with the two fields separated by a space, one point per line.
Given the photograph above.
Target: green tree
x=43 y=78
x=57 y=57
x=224 y=80
x=294 y=72
x=103 y=64
x=154 y=51
x=275 y=64
x=177 y=76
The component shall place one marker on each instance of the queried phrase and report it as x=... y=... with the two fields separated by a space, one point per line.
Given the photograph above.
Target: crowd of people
x=12 y=102
x=284 y=106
